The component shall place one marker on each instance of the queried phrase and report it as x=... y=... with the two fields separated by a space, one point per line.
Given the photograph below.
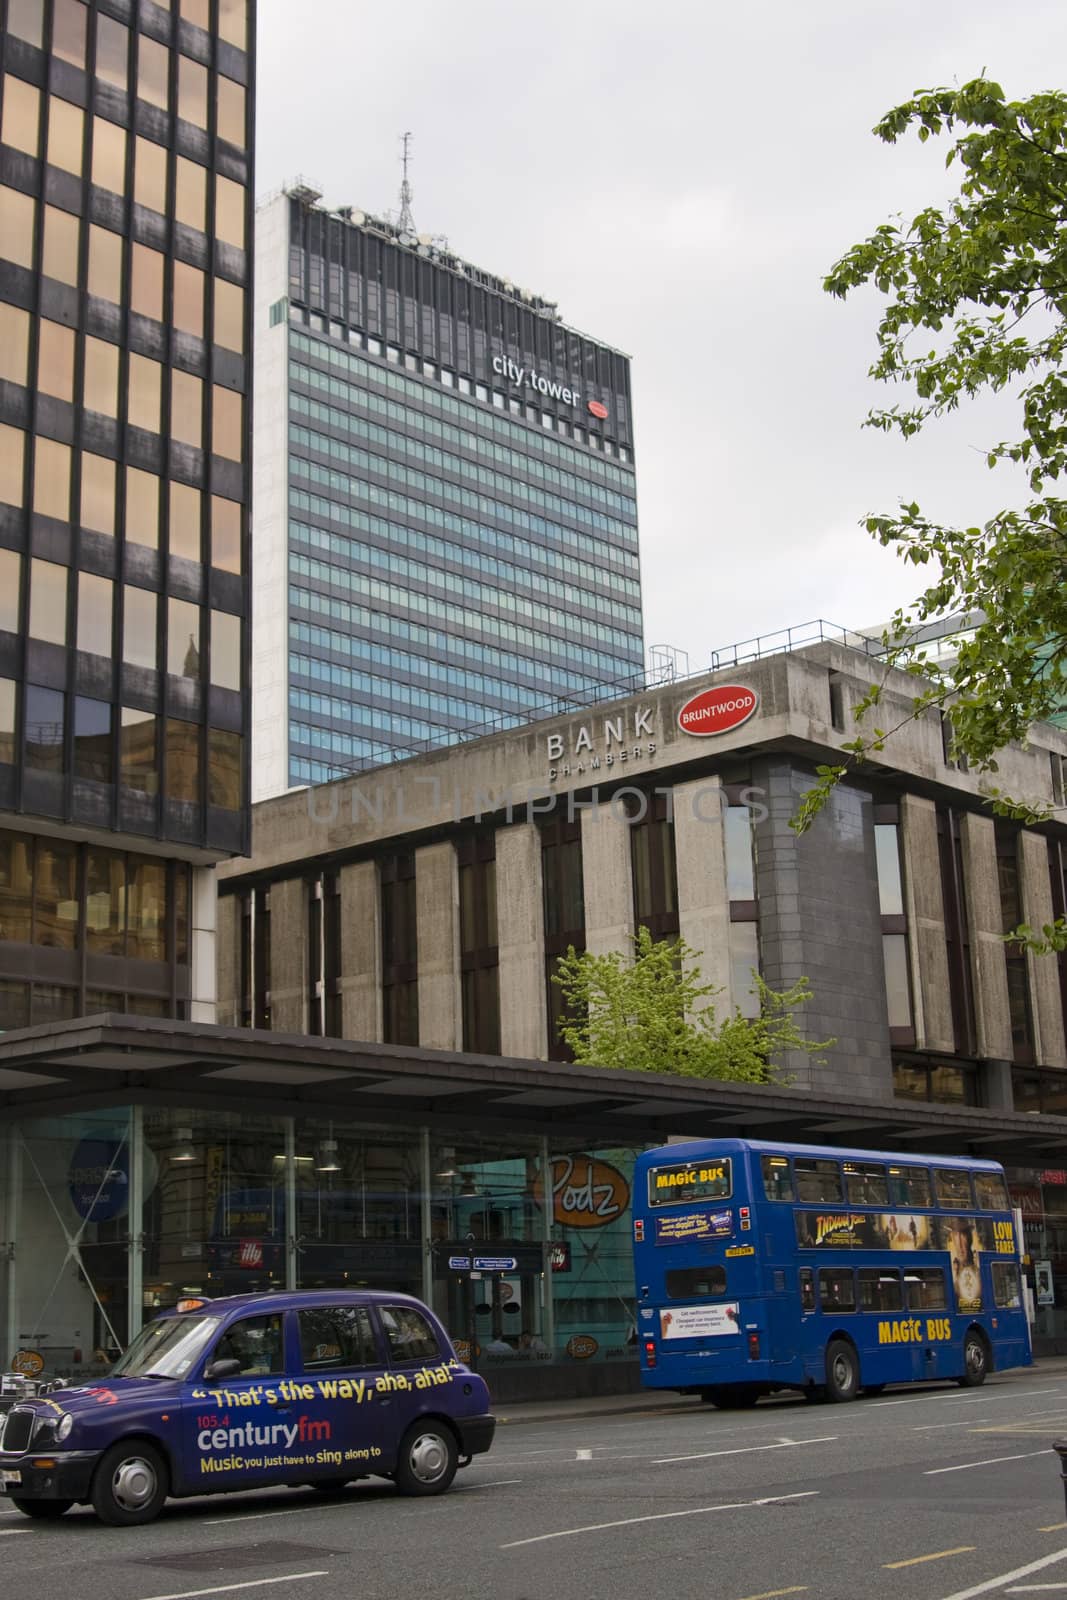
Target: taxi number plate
x=10 y=1477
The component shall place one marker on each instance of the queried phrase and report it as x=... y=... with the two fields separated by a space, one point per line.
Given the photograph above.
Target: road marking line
x=1030 y=1588
x=994 y=1461
x=471 y=1488
x=228 y=1588
x=1008 y=1577
x=583 y=1455
x=960 y=1399
x=257 y=1516
x=936 y=1555
x=744 y=1450
x=6 y=1533
x=1053 y=1527
x=927 y=1427
x=626 y=1522
x=772 y=1594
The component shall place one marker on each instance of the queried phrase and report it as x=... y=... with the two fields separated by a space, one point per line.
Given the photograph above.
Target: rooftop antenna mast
x=405 y=222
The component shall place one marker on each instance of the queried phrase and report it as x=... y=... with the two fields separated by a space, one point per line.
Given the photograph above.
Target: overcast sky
x=679 y=175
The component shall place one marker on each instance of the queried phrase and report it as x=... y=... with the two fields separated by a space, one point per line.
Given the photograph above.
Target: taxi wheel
x=129 y=1484
x=842 y=1371
x=43 y=1510
x=427 y=1460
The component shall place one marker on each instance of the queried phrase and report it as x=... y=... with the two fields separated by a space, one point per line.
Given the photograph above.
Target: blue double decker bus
x=765 y=1266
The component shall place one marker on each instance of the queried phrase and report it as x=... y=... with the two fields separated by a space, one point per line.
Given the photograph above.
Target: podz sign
x=586 y=1192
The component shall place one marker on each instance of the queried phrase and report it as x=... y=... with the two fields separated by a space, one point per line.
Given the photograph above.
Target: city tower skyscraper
x=446 y=524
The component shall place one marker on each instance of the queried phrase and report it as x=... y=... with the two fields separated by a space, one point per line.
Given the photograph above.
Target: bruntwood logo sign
x=718 y=710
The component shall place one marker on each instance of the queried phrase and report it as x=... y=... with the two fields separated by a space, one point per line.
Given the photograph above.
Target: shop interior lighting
x=183 y=1150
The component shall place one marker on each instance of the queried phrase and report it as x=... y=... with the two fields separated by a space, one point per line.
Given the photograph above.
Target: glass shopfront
x=107 y=1218
x=1040 y=1194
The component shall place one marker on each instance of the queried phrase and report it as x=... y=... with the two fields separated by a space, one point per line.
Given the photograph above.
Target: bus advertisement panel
x=762 y=1267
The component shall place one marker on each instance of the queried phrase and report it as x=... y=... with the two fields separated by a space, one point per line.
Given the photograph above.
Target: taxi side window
x=409 y=1335
x=256 y=1342
x=335 y=1336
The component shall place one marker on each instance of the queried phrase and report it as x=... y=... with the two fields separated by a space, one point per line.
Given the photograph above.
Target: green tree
x=976 y=301
x=653 y=1014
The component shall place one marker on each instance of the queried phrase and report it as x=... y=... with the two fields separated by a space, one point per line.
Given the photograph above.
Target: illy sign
x=718 y=710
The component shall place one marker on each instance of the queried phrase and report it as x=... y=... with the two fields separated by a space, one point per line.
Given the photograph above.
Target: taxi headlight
x=64 y=1427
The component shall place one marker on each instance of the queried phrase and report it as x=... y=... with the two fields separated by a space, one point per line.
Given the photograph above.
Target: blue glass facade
x=460 y=541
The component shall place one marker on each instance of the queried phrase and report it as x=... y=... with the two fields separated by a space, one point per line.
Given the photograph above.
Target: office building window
x=479 y=955
x=894 y=923
x=652 y=863
x=254 y=957
x=324 y=956
x=563 y=896
x=957 y=937
x=1015 y=959
x=400 y=949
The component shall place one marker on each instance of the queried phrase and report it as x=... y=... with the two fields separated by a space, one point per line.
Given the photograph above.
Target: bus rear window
x=777 y=1178
x=989 y=1187
x=1006 y=1292
x=817 y=1180
x=953 y=1188
x=695 y=1283
x=909 y=1186
x=683 y=1182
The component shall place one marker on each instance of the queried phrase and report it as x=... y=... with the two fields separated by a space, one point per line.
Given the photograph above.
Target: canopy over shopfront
x=144 y=1159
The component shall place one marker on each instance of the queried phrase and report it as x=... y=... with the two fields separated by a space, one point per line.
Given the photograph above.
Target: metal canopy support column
x=290 y=1204
x=13 y=1166
x=425 y=1218
x=135 y=1224
x=548 y=1295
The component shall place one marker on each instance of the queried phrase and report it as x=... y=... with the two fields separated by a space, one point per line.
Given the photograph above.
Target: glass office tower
x=125 y=290
x=446 y=525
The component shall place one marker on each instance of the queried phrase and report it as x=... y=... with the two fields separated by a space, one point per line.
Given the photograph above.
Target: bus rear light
x=650 y=1352
x=753 y=1347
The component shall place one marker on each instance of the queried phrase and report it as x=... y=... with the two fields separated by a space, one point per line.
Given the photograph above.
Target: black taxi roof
x=286 y=1300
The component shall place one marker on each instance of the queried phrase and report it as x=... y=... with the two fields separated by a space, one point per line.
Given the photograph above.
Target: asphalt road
x=936 y=1493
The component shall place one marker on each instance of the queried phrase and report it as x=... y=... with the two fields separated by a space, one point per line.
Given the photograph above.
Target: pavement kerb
x=665 y=1399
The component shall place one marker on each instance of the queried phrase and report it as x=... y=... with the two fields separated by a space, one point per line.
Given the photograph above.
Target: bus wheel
x=842 y=1371
x=731 y=1396
x=975 y=1361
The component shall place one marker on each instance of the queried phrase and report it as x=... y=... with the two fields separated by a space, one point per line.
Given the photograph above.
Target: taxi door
x=238 y=1422
x=348 y=1423
x=420 y=1377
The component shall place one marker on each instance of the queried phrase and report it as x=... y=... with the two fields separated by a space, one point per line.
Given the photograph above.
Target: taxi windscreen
x=680 y=1183
x=167 y=1348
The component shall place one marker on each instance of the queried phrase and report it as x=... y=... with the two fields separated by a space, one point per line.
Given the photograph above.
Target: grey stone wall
x=820 y=919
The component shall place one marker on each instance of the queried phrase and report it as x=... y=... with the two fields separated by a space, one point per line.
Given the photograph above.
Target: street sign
x=495 y=1264
x=459 y=1263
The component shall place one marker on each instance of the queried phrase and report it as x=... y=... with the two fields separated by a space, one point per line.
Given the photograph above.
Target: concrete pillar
x=437 y=918
x=521 y=942
x=1045 y=1002
x=989 y=973
x=288 y=956
x=361 y=952
x=924 y=908
x=703 y=906
x=228 y=960
x=606 y=875
x=995 y=1087
x=203 y=953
